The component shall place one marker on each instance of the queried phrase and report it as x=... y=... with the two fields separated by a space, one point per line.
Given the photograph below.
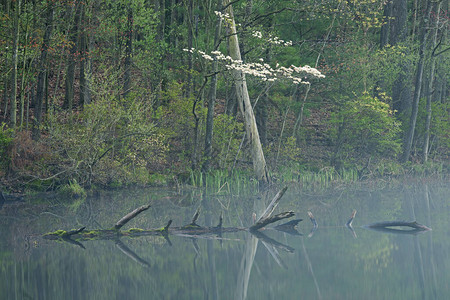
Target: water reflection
x=328 y=264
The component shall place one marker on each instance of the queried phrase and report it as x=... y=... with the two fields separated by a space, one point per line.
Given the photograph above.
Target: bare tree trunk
x=190 y=21
x=22 y=84
x=384 y=35
x=430 y=85
x=212 y=96
x=396 y=32
x=128 y=52
x=259 y=162
x=83 y=51
x=15 y=60
x=42 y=72
x=407 y=145
x=71 y=62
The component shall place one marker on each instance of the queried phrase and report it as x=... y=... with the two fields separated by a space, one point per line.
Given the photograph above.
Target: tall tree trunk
x=384 y=35
x=71 y=60
x=212 y=96
x=409 y=137
x=396 y=32
x=15 y=60
x=259 y=162
x=22 y=83
x=83 y=56
x=42 y=72
x=431 y=83
x=128 y=52
x=190 y=22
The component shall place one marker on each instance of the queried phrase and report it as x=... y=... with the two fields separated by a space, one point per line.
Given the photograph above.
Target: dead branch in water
x=130 y=216
x=269 y=220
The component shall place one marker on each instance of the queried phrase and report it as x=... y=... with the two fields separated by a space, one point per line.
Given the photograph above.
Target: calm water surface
x=329 y=263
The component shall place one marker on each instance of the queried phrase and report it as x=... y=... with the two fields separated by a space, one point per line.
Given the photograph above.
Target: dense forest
x=111 y=93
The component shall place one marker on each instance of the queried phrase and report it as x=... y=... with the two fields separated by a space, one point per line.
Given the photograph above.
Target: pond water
x=331 y=262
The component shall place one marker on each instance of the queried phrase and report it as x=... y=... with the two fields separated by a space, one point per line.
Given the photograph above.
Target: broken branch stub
x=266 y=221
x=130 y=216
x=273 y=204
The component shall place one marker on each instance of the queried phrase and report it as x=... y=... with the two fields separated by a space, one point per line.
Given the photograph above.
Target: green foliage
x=6 y=138
x=73 y=190
x=223 y=182
x=439 y=128
x=226 y=140
x=364 y=127
x=110 y=143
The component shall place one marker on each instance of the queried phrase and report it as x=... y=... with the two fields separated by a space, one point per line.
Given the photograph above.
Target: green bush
x=111 y=142
x=363 y=128
x=6 y=138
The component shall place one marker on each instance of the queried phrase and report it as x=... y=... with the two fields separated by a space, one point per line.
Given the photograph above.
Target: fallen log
x=192 y=229
x=400 y=227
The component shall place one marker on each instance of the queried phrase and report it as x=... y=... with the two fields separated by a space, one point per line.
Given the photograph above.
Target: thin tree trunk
x=22 y=84
x=259 y=162
x=212 y=96
x=15 y=61
x=128 y=52
x=408 y=141
x=299 y=119
x=430 y=85
x=42 y=72
x=384 y=35
x=71 y=61
x=83 y=56
x=190 y=20
x=395 y=34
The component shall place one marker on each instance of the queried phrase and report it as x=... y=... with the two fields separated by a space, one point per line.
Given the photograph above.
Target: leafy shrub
x=110 y=142
x=364 y=127
x=6 y=138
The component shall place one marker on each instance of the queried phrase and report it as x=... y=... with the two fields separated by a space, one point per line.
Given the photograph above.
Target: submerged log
x=398 y=227
x=192 y=229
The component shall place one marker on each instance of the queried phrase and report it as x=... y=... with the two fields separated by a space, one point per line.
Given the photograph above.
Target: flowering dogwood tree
x=239 y=69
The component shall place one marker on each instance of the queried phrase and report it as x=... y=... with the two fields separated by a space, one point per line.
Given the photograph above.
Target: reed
x=224 y=182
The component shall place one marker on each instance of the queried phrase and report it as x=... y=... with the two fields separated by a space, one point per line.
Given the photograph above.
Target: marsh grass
x=224 y=182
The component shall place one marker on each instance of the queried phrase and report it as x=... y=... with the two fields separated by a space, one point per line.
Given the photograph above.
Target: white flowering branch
x=262 y=70
x=271 y=39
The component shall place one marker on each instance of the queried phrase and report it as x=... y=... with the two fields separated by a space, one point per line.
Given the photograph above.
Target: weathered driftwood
x=269 y=220
x=130 y=216
x=273 y=204
x=191 y=230
x=313 y=220
x=350 y=221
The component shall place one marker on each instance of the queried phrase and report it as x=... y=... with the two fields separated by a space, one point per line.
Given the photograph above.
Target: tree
x=259 y=162
x=15 y=62
x=212 y=95
x=408 y=139
x=43 y=68
x=431 y=81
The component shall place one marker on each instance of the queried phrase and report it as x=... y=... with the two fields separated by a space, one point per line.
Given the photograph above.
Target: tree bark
x=408 y=140
x=259 y=162
x=430 y=85
x=128 y=52
x=212 y=96
x=393 y=33
x=71 y=60
x=15 y=60
x=42 y=72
